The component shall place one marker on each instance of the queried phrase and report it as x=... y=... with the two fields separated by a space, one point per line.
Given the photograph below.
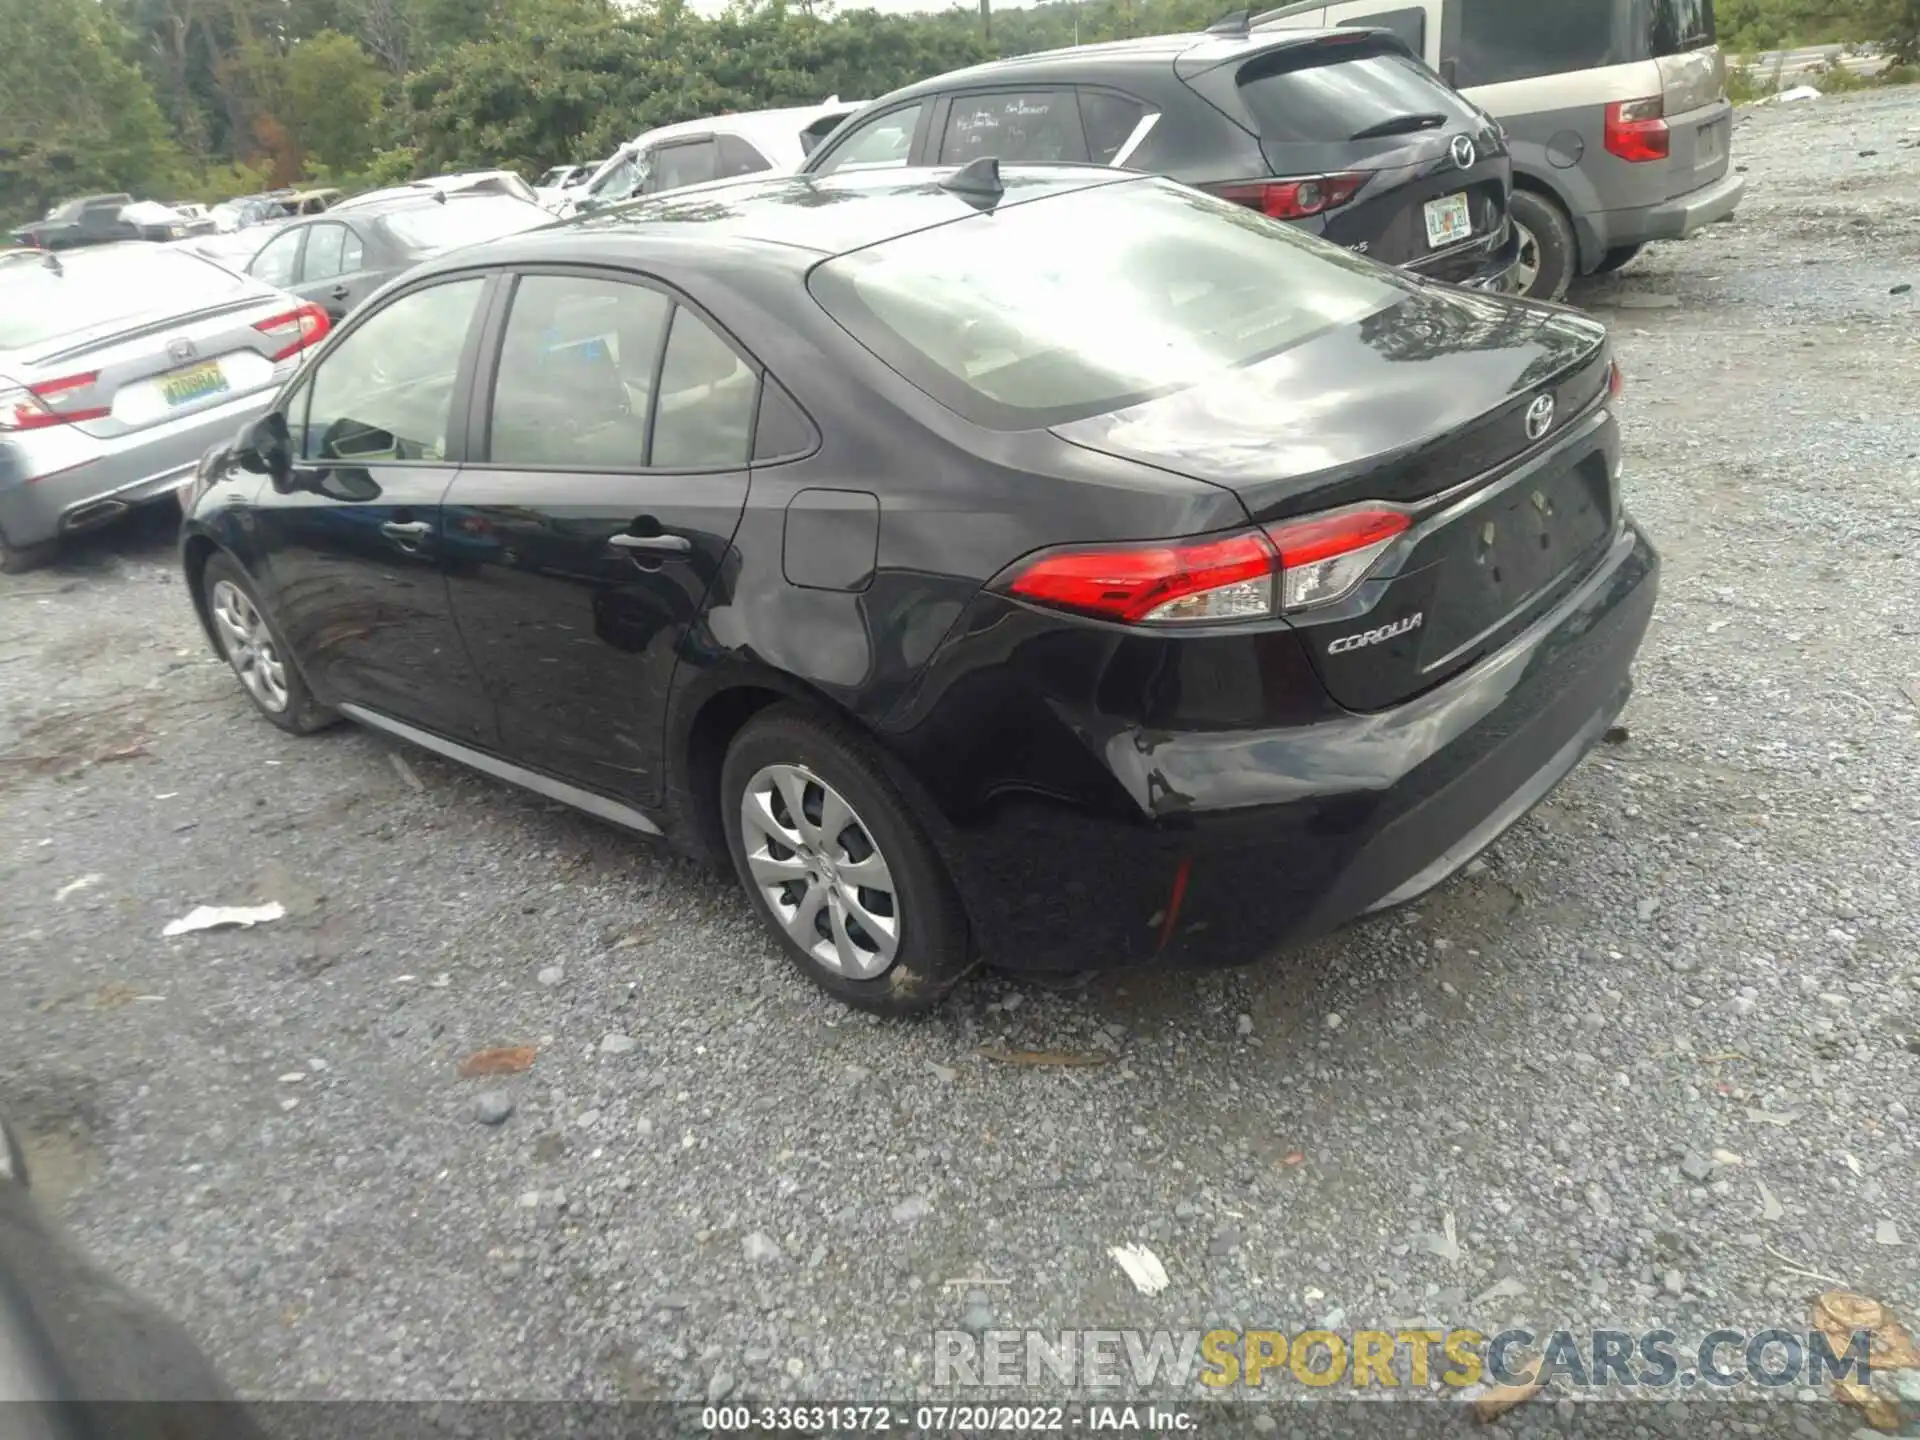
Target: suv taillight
x=1215 y=579
x=1637 y=131
x=1294 y=199
x=296 y=330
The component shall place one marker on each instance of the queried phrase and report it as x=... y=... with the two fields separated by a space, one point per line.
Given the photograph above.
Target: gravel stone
x=492 y=1107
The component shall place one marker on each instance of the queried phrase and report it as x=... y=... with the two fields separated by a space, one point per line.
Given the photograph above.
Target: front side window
x=278 y=260
x=1031 y=126
x=1503 y=40
x=882 y=143
x=1085 y=303
x=574 y=387
x=386 y=393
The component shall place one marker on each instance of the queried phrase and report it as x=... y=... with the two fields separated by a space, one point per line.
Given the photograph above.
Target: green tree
x=76 y=113
x=329 y=104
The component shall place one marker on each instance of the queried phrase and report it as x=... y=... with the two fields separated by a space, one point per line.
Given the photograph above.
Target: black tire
x=934 y=945
x=1549 y=233
x=300 y=714
x=19 y=559
x=1618 y=258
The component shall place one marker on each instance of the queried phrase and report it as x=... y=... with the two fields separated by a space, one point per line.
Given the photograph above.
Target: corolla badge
x=1376 y=637
x=1463 y=152
x=1539 y=417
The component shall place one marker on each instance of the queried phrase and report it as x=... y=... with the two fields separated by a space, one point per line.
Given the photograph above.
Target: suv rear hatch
x=1380 y=136
x=1693 y=99
x=1421 y=409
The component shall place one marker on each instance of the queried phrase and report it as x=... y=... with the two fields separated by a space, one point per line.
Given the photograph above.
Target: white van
x=696 y=151
x=1616 y=112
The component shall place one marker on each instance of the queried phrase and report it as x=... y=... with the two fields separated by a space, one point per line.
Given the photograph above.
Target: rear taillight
x=1252 y=575
x=1325 y=559
x=296 y=330
x=35 y=407
x=1616 y=381
x=1294 y=199
x=1637 y=131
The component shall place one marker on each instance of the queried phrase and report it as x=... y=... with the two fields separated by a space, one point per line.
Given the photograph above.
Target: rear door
x=354 y=555
x=612 y=472
x=333 y=268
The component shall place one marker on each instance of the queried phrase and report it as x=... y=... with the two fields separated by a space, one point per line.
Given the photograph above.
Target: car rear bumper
x=1280 y=836
x=61 y=479
x=1677 y=218
x=1486 y=264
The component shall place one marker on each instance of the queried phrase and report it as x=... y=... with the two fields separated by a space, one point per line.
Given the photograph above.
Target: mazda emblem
x=1463 y=152
x=1539 y=417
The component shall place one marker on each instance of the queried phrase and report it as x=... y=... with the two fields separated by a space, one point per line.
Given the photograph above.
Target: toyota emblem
x=1463 y=152
x=1539 y=417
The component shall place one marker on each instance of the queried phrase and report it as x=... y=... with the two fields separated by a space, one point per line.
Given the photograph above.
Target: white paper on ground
x=1143 y=1267
x=221 y=917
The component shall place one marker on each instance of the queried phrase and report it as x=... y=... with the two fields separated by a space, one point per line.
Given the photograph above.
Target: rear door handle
x=407 y=529
x=673 y=544
x=339 y=292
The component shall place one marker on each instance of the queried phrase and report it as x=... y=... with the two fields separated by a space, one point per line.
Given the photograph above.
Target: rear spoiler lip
x=106 y=335
x=1231 y=51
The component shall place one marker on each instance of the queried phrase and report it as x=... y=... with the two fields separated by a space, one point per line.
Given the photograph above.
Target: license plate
x=1711 y=146
x=1449 y=221
x=196 y=382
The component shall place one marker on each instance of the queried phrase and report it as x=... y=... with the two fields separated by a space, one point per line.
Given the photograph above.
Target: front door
x=354 y=554
x=597 y=512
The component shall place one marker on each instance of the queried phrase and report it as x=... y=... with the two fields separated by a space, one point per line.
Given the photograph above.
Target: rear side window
x=677 y=165
x=1109 y=121
x=707 y=398
x=38 y=303
x=576 y=371
x=1086 y=303
x=1033 y=126
x=1318 y=103
x=1677 y=26
x=1502 y=40
x=737 y=157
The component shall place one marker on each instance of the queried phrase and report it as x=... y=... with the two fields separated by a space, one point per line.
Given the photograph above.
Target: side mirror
x=266 y=448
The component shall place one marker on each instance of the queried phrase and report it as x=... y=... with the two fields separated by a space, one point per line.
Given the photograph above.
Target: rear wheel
x=838 y=864
x=254 y=649
x=1547 y=247
x=1618 y=258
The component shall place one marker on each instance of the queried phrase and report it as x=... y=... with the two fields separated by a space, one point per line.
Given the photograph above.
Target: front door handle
x=672 y=544
x=404 y=530
x=339 y=292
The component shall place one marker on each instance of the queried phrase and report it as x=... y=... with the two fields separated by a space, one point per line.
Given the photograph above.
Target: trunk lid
x=1422 y=405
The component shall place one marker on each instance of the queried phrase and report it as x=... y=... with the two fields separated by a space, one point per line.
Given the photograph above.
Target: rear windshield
x=465 y=220
x=95 y=288
x=1297 y=98
x=1084 y=303
x=1677 y=26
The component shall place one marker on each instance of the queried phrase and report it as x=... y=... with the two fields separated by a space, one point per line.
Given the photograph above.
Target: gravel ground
x=1655 y=1061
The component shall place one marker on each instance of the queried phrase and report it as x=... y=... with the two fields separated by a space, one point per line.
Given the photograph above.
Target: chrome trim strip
x=600 y=806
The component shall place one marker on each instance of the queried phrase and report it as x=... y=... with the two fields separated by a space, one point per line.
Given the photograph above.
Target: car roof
x=1197 y=51
x=408 y=197
x=799 y=218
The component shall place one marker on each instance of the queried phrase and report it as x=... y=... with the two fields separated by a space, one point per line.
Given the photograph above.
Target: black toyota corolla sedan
x=1051 y=567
